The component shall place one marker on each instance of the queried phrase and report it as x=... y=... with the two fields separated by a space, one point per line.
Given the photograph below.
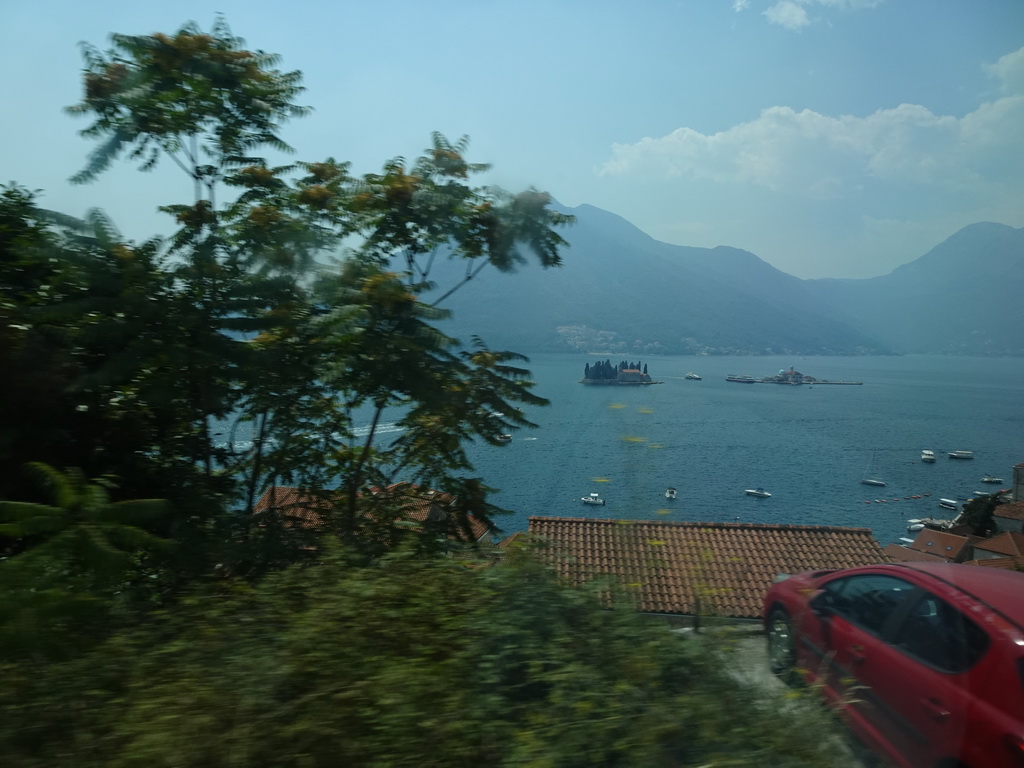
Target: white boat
x=928 y=456
x=693 y=376
x=961 y=454
x=915 y=527
x=593 y=499
x=670 y=493
x=503 y=438
x=761 y=493
x=990 y=479
x=949 y=504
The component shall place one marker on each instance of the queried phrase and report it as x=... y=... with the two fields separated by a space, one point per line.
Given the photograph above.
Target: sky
x=831 y=138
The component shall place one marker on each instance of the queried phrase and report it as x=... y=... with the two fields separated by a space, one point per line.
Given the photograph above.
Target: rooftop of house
x=307 y=508
x=1010 y=544
x=711 y=569
x=1012 y=511
x=902 y=554
x=948 y=546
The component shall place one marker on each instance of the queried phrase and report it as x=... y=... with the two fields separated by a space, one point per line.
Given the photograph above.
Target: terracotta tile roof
x=307 y=508
x=671 y=567
x=948 y=546
x=1010 y=544
x=902 y=554
x=1012 y=511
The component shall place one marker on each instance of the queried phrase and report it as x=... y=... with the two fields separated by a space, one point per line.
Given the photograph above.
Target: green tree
x=65 y=562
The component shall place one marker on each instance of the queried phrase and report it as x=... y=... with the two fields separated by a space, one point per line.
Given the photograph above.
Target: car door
x=851 y=617
x=918 y=679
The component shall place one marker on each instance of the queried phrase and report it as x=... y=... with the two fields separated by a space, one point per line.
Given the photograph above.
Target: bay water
x=809 y=446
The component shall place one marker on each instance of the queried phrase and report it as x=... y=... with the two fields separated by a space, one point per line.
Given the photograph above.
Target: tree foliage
x=408 y=663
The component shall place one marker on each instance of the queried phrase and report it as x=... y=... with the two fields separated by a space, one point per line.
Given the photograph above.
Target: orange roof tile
x=902 y=554
x=948 y=546
x=1010 y=544
x=670 y=567
x=1012 y=511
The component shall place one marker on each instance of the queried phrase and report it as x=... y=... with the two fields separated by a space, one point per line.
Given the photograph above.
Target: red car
x=925 y=661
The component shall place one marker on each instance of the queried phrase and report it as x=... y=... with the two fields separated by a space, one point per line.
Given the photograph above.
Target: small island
x=792 y=377
x=623 y=374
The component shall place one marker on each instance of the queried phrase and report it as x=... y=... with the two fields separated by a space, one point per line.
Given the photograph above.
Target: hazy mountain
x=964 y=296
x=622 y=291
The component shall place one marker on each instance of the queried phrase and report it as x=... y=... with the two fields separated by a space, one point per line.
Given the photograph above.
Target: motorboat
x=990 y=479
x=503 y=438
x=761 y=493
x=949 y=504
x=961 y=454
x=670 y=493
x=928 y=456
x=915 y=527
x=593 y=499
x=693 y=376
x=872 y=481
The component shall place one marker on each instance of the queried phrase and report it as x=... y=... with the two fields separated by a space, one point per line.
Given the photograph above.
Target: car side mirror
x=821 y=605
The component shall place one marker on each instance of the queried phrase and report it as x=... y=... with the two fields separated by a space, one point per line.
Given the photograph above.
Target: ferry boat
x=928 y=456
x=593 y=499
x=990 y=479
x=961 y=454
x=740 y=379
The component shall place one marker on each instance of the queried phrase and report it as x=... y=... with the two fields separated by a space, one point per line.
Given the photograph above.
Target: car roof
x=1001 y=589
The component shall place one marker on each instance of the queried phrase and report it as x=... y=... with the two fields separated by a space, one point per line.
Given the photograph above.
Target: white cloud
x=792 y=14
x=787 y=14
x=1010 y=71
x=740 y=5
x=809 y=154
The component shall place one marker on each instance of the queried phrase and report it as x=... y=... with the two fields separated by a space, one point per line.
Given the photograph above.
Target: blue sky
x=833 y=138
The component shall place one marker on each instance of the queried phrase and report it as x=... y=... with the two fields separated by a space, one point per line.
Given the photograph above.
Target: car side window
x=940 y=635
x=869 y=600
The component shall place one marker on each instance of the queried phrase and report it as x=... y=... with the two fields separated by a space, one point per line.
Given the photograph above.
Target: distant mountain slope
x=622 y=291
x=965 y=296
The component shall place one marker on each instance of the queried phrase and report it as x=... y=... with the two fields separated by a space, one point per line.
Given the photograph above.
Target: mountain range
x=621 y=291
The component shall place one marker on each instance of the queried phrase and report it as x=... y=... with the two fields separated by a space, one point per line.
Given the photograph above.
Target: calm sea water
x=809 y=446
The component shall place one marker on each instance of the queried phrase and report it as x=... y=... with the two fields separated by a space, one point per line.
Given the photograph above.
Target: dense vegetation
x=152 y=391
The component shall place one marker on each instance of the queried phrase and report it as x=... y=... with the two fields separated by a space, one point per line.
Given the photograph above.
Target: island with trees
x=623 y=374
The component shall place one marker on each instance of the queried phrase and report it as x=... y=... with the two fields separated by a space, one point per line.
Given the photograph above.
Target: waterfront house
x=931 y=544
x=1000 y=546
x=1009 y=517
